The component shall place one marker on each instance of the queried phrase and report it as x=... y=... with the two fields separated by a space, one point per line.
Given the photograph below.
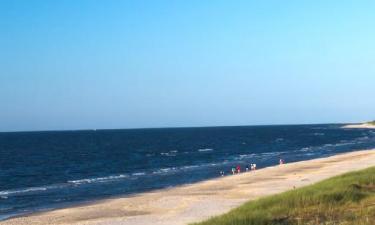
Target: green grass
x=348 y=199
x=371 y=123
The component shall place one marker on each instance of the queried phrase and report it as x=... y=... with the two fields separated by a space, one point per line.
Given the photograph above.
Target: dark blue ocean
x=46 y=170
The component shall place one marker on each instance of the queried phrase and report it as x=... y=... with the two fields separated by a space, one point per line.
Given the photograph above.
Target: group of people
x=251 y=166
x=237 y=169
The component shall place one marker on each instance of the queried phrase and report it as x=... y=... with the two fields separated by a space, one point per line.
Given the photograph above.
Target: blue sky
x=128 y=64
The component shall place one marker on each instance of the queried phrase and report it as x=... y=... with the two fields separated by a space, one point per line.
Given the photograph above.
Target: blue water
x=45 y=170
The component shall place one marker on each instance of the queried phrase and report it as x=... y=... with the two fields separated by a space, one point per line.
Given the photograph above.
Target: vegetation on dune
x=347 y=199
x=372 y=123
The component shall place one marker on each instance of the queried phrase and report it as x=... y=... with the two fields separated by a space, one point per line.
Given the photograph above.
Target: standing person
x=233 y=170
x=281 y=161
x=247 y=168
x=222 y=173
x=238 y=169
x=255 y=166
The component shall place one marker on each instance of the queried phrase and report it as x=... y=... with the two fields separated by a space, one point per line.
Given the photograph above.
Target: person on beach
x=281 y=161
x=247 y=168
x=238 y=169
x=233 y=170
x=255 y=166
x=221 y=173
x=251 y=166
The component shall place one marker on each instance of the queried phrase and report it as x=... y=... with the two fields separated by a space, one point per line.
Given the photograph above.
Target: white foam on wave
x=271 y=153
x=170 y=170
x=310 y=154
x=205 y=150
x=344 y=144
x=6 y=193
x=98 y=179
x=264 y=155
x=341 y=143
x=305 y=149
x=170 y=153
x=73 y=183
x=364 y=138
x=243 y=156
x=164 y=170
x=190 y=167
x=139 y=174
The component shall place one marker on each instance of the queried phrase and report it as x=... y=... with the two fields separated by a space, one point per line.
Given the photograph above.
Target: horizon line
x=168 y=127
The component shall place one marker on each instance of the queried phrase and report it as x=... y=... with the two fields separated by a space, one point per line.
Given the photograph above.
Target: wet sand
x=199 y=201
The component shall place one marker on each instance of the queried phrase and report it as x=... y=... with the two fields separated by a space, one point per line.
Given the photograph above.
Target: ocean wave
x=182 y=168
x=265 y=155
x=7 y=193
x=70 y=183
x=364 y=138
x=344 y=144
x=5 y=208
x=271 y=153
x=73 y=183
x=205 y=150
x=98 y=179
x=341 y=143
x=319 y=128
x=164 y=170
x=139 y=174
x=305 y=149
x=170 y=153
x=308 y=151
x=190 y=167
x=243 y=156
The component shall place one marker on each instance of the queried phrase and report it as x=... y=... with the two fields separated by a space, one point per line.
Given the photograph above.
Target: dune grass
x=372 y=123
x=348 y=199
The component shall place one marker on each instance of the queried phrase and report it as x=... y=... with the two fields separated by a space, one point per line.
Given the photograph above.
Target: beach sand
x=199 y=201
x=360 y=126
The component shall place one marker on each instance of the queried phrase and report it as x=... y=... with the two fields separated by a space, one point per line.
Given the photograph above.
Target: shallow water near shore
x=45 y=170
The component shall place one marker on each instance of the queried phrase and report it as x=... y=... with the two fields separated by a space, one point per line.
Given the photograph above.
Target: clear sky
x=128 y=64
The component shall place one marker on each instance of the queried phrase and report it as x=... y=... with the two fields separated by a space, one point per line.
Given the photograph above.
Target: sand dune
x=196 y=202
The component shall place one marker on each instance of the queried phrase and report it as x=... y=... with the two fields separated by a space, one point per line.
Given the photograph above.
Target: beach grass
x=347 y=199
x=371 y=123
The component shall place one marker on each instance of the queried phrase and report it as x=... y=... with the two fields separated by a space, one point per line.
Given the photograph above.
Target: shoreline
x=199 y=201
x=359 y=126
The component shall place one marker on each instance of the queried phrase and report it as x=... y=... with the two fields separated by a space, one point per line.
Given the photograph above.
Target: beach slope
x=199 y=201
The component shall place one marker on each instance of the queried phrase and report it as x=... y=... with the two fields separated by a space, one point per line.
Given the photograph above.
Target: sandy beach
x=360 y=126
x=199 y=201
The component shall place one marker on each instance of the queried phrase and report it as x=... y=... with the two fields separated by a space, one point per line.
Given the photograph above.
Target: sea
x=47 y=170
